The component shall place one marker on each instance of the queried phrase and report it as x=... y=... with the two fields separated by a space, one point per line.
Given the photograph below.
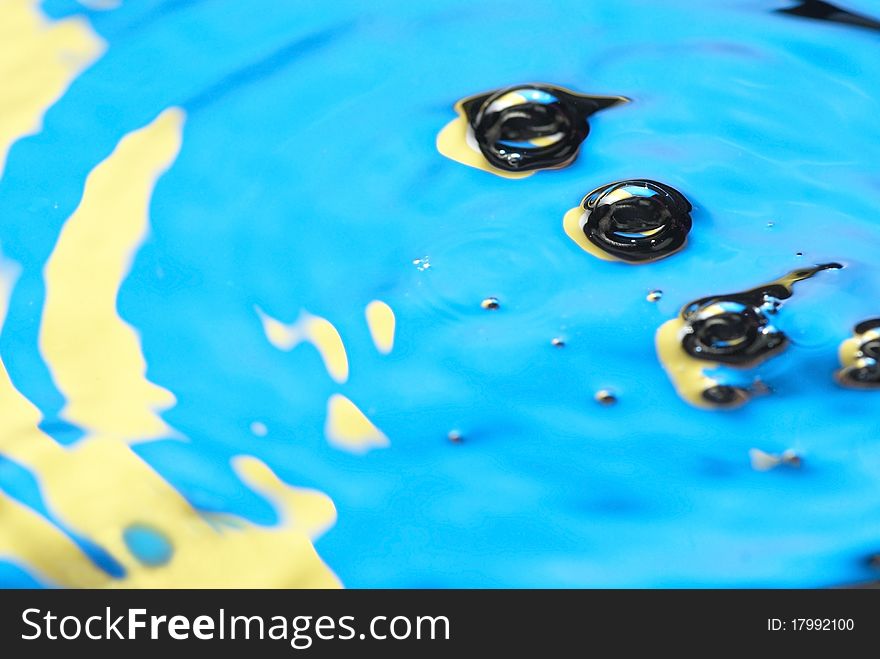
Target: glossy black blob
x=637 y=220
x=504 y=129
x=825 y=11
x=724 y=395
x=867 y=325
x=730 y=332
x=866 y=376
x=736 y=328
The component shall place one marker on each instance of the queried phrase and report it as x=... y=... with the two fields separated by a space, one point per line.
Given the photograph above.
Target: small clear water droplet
x=654 y=295
x=259 y=429
x=455 y=437
x=770 y=225
x=605 y=397
x=557 y=342
x=490 y=303
x=422 y=264
x=799 y=254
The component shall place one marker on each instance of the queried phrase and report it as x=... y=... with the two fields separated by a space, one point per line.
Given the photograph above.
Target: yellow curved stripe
x=38 y=61
x=21 y=439
x=93 y=355
x=318 y=331
x=37 y=545
x=380 y=320
x=100 y=487
x=348 y=428
x=310 y=511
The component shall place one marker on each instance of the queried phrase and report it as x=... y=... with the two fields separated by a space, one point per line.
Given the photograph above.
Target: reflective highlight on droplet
x=517 y=130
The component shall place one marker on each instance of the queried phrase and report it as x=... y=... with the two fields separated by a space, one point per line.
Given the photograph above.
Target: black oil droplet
x=736 y=328
x=637 y=220
x=825 y=11
x=532 y=126
x=867 y=325
x=731 y=332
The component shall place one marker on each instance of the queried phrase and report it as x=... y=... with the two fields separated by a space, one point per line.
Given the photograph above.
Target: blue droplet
x=148 y=545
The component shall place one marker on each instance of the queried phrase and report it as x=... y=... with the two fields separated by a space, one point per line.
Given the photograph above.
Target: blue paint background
x=308 y=178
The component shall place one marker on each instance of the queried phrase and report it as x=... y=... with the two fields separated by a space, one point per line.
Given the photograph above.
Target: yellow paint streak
x=380 y=320
x=38 y=61
x=310 y=511
x=45 y=549
x=571 y=222
x=688 y=375
x=99 y=487
x=453 y=143
x=850 y=349
x=851 y=357
x=349 y=429
x=318 y=331
x=25 y=535
x=94 y=356
x=21 y=440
